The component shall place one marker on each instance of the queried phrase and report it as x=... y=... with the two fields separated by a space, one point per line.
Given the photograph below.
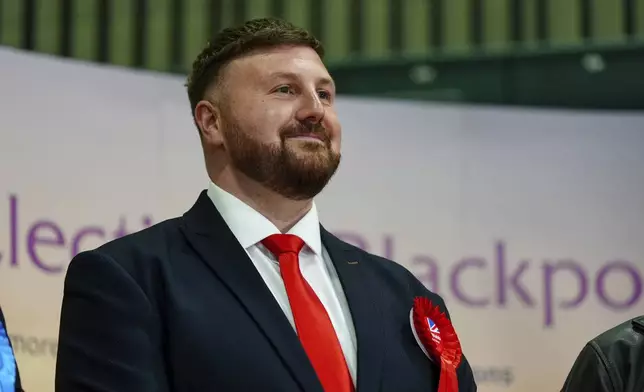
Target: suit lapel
x=207 y=232
x=364 y=300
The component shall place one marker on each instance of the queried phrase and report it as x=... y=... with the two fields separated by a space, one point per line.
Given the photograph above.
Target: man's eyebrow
x=329 y=81
x=293 y=76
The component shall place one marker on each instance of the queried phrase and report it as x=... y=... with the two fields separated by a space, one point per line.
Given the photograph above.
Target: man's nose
x=311 y=109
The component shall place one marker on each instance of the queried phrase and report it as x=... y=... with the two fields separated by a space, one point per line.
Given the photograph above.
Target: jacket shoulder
x=138 y=250
x=638 y=324
x=629 y=334
x=139 y=261
x=619 y=349
x=156 y=234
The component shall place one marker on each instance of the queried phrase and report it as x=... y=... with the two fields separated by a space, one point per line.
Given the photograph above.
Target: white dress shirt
x=250 y=228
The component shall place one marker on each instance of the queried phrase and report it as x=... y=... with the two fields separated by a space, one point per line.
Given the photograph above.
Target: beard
x=296 y=175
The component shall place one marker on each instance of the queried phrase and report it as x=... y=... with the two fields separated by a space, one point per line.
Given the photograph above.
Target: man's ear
x=208 y=119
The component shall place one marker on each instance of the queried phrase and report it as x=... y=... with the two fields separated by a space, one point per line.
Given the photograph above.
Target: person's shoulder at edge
x=3 y=325
x=598 y=366
x=629 y=332
x=615 y=345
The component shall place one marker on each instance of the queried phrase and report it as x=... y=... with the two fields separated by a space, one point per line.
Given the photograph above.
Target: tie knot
x=279 y=244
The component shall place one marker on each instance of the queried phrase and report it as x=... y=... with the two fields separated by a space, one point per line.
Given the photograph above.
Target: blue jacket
x=9 y=377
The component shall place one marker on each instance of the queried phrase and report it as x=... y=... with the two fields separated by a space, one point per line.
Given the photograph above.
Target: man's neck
x=282 y=212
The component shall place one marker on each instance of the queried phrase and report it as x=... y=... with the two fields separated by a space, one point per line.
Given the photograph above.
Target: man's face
x=277 y=121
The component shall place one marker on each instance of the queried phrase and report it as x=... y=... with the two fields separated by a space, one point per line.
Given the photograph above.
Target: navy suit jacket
x=4 y=356
x=179 y=307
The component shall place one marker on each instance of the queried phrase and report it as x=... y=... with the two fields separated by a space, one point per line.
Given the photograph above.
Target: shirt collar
x=250 y=227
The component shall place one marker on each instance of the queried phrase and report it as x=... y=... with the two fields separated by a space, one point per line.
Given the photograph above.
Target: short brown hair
x=234 y=42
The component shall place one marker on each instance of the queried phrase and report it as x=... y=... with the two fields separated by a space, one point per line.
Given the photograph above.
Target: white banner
x=528 y=222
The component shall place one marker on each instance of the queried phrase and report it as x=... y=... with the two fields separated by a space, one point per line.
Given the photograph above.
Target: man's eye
x=284 y=90
x=324 y=94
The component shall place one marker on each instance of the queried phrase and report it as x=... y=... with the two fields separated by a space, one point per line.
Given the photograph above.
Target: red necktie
x=312 y=322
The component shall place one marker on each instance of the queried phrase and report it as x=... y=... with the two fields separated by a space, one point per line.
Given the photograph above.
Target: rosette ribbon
x=437 y=337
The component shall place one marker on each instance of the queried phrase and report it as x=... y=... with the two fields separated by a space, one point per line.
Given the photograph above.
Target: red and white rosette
x=437 y=338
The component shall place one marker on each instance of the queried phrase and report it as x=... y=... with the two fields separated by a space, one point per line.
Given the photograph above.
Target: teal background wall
x=376 y=47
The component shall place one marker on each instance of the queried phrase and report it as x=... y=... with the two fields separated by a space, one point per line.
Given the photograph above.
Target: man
x=219 y=299
x=9 y=376
x=612 y=362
